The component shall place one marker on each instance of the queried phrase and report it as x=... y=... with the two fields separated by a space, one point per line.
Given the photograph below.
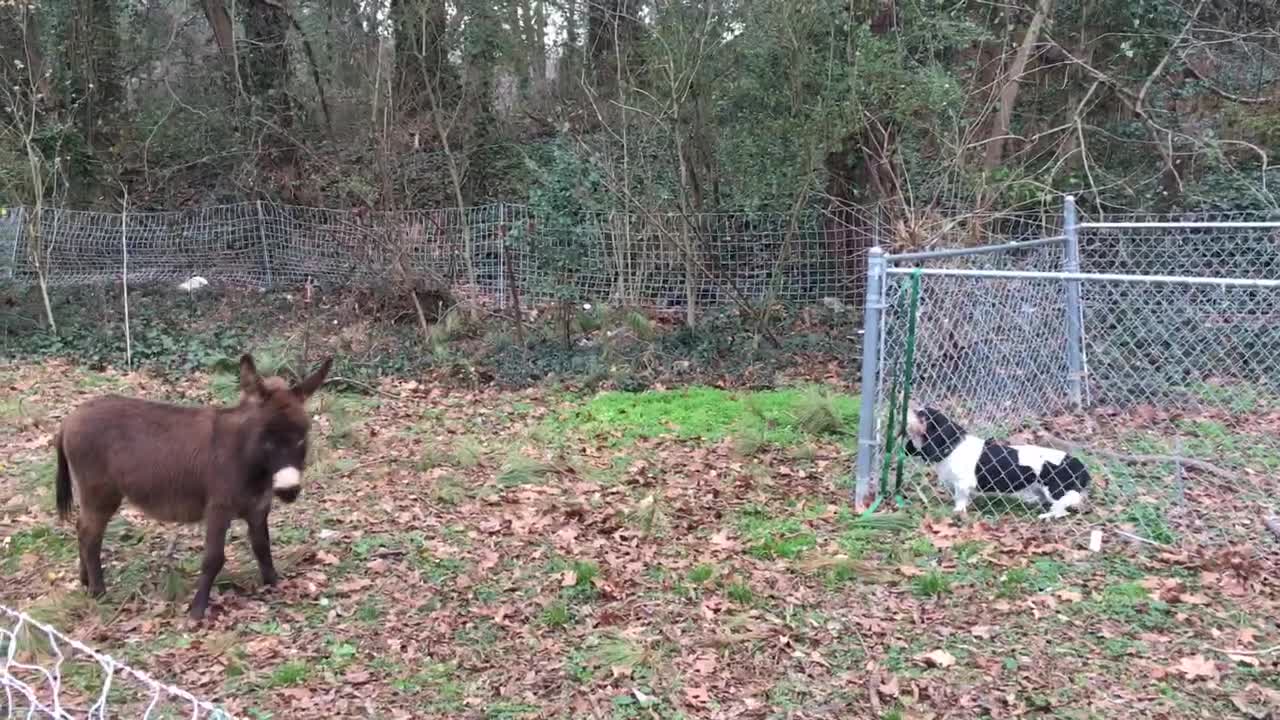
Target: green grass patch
x=43 y=541
x=933 y=584
x=288 y=674
x=448 y=490
x=468 y=453
x=1040 y=576
x=770 y=537
x=701 y=574
x=18 y=411
x=557 y=615
x=584 y=572
x=1130 y=603
x=780 y=417
x=345 y=417
x=597 y=655
x=432 y=457
x=1150 y=521
x=741 y=593
x=370 y=610
x=521 y=469
x=35 y=479
x=1239 y=399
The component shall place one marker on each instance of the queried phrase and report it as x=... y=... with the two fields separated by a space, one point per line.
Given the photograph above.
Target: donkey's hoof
x=97 y=592
x=271 y=579
x=197 y=612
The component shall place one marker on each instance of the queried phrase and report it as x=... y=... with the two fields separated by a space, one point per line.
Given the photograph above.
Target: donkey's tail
x=62 y=482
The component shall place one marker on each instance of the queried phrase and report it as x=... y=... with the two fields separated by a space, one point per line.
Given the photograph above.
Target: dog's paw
x=1052 y=514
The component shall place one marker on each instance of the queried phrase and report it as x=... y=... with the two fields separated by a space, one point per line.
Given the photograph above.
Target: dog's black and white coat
x=966 y=464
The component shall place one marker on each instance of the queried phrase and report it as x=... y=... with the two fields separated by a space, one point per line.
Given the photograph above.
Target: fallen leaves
x=1257 y=702
x=889 y=688
x=986 y=632
x=468 y=596
x=1172 y=591
x=698 y=696
x=1197 y=667
x=705 y=664
x=354 y=585
x=1069 y=596
x=1248 y=660
x=937 y=658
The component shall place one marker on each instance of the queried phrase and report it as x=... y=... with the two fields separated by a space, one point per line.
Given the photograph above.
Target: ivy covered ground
x=568 y=549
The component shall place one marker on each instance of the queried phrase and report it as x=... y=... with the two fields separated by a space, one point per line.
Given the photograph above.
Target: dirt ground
x=479 y=554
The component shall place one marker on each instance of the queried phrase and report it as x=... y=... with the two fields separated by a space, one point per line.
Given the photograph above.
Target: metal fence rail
x=1152 y=352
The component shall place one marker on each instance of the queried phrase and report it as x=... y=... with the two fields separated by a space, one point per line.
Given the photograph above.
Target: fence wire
x=653 y=260
x=1200 y=245
x=45 y=674
x=1180 y=422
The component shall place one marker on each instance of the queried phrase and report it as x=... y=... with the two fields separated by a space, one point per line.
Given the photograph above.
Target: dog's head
x=931 y=435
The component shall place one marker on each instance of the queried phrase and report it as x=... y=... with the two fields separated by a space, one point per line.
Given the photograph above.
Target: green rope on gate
x=896 y=421
x=890 y=437
x=909 y=364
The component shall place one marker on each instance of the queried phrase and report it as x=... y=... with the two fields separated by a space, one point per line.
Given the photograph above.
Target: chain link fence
x=1158 y=366
x=45 y=674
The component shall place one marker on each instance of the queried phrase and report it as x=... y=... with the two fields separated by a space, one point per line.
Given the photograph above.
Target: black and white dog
x=966 y=464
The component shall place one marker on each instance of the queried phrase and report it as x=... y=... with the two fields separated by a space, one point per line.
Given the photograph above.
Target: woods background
x=640 y=105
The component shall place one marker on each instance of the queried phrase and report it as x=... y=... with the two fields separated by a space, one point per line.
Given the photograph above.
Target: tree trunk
x=95 y=93
x=612 y=27
x=567 y=64
x=215 y=11
x=1009 y=93
x=540 y=40
x=481 y=49
x=421 y=54
x=21 y=59
x=268 y=72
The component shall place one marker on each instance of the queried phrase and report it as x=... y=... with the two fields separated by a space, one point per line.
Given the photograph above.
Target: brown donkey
x=186 y=464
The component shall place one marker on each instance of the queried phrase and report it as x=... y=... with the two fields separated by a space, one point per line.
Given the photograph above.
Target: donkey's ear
x=312 y=382
x=250 y=381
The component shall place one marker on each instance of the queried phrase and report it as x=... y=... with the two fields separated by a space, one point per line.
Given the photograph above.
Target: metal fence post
x=266 y=254
x=1075 y=317
x=502 y=254
x=19 y=223
x=873 y=317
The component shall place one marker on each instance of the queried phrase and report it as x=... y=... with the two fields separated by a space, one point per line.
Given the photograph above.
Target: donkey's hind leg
x=91 y=525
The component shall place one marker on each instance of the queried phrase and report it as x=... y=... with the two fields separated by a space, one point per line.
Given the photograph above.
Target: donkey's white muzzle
x=286 y=483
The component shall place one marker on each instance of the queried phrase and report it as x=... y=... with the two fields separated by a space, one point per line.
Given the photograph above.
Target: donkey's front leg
x=260 y=540
x=217 y=521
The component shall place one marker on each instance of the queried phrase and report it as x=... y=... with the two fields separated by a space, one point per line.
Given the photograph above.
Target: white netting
x=655 y=260
x=1180 y=421
x=45 y=674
